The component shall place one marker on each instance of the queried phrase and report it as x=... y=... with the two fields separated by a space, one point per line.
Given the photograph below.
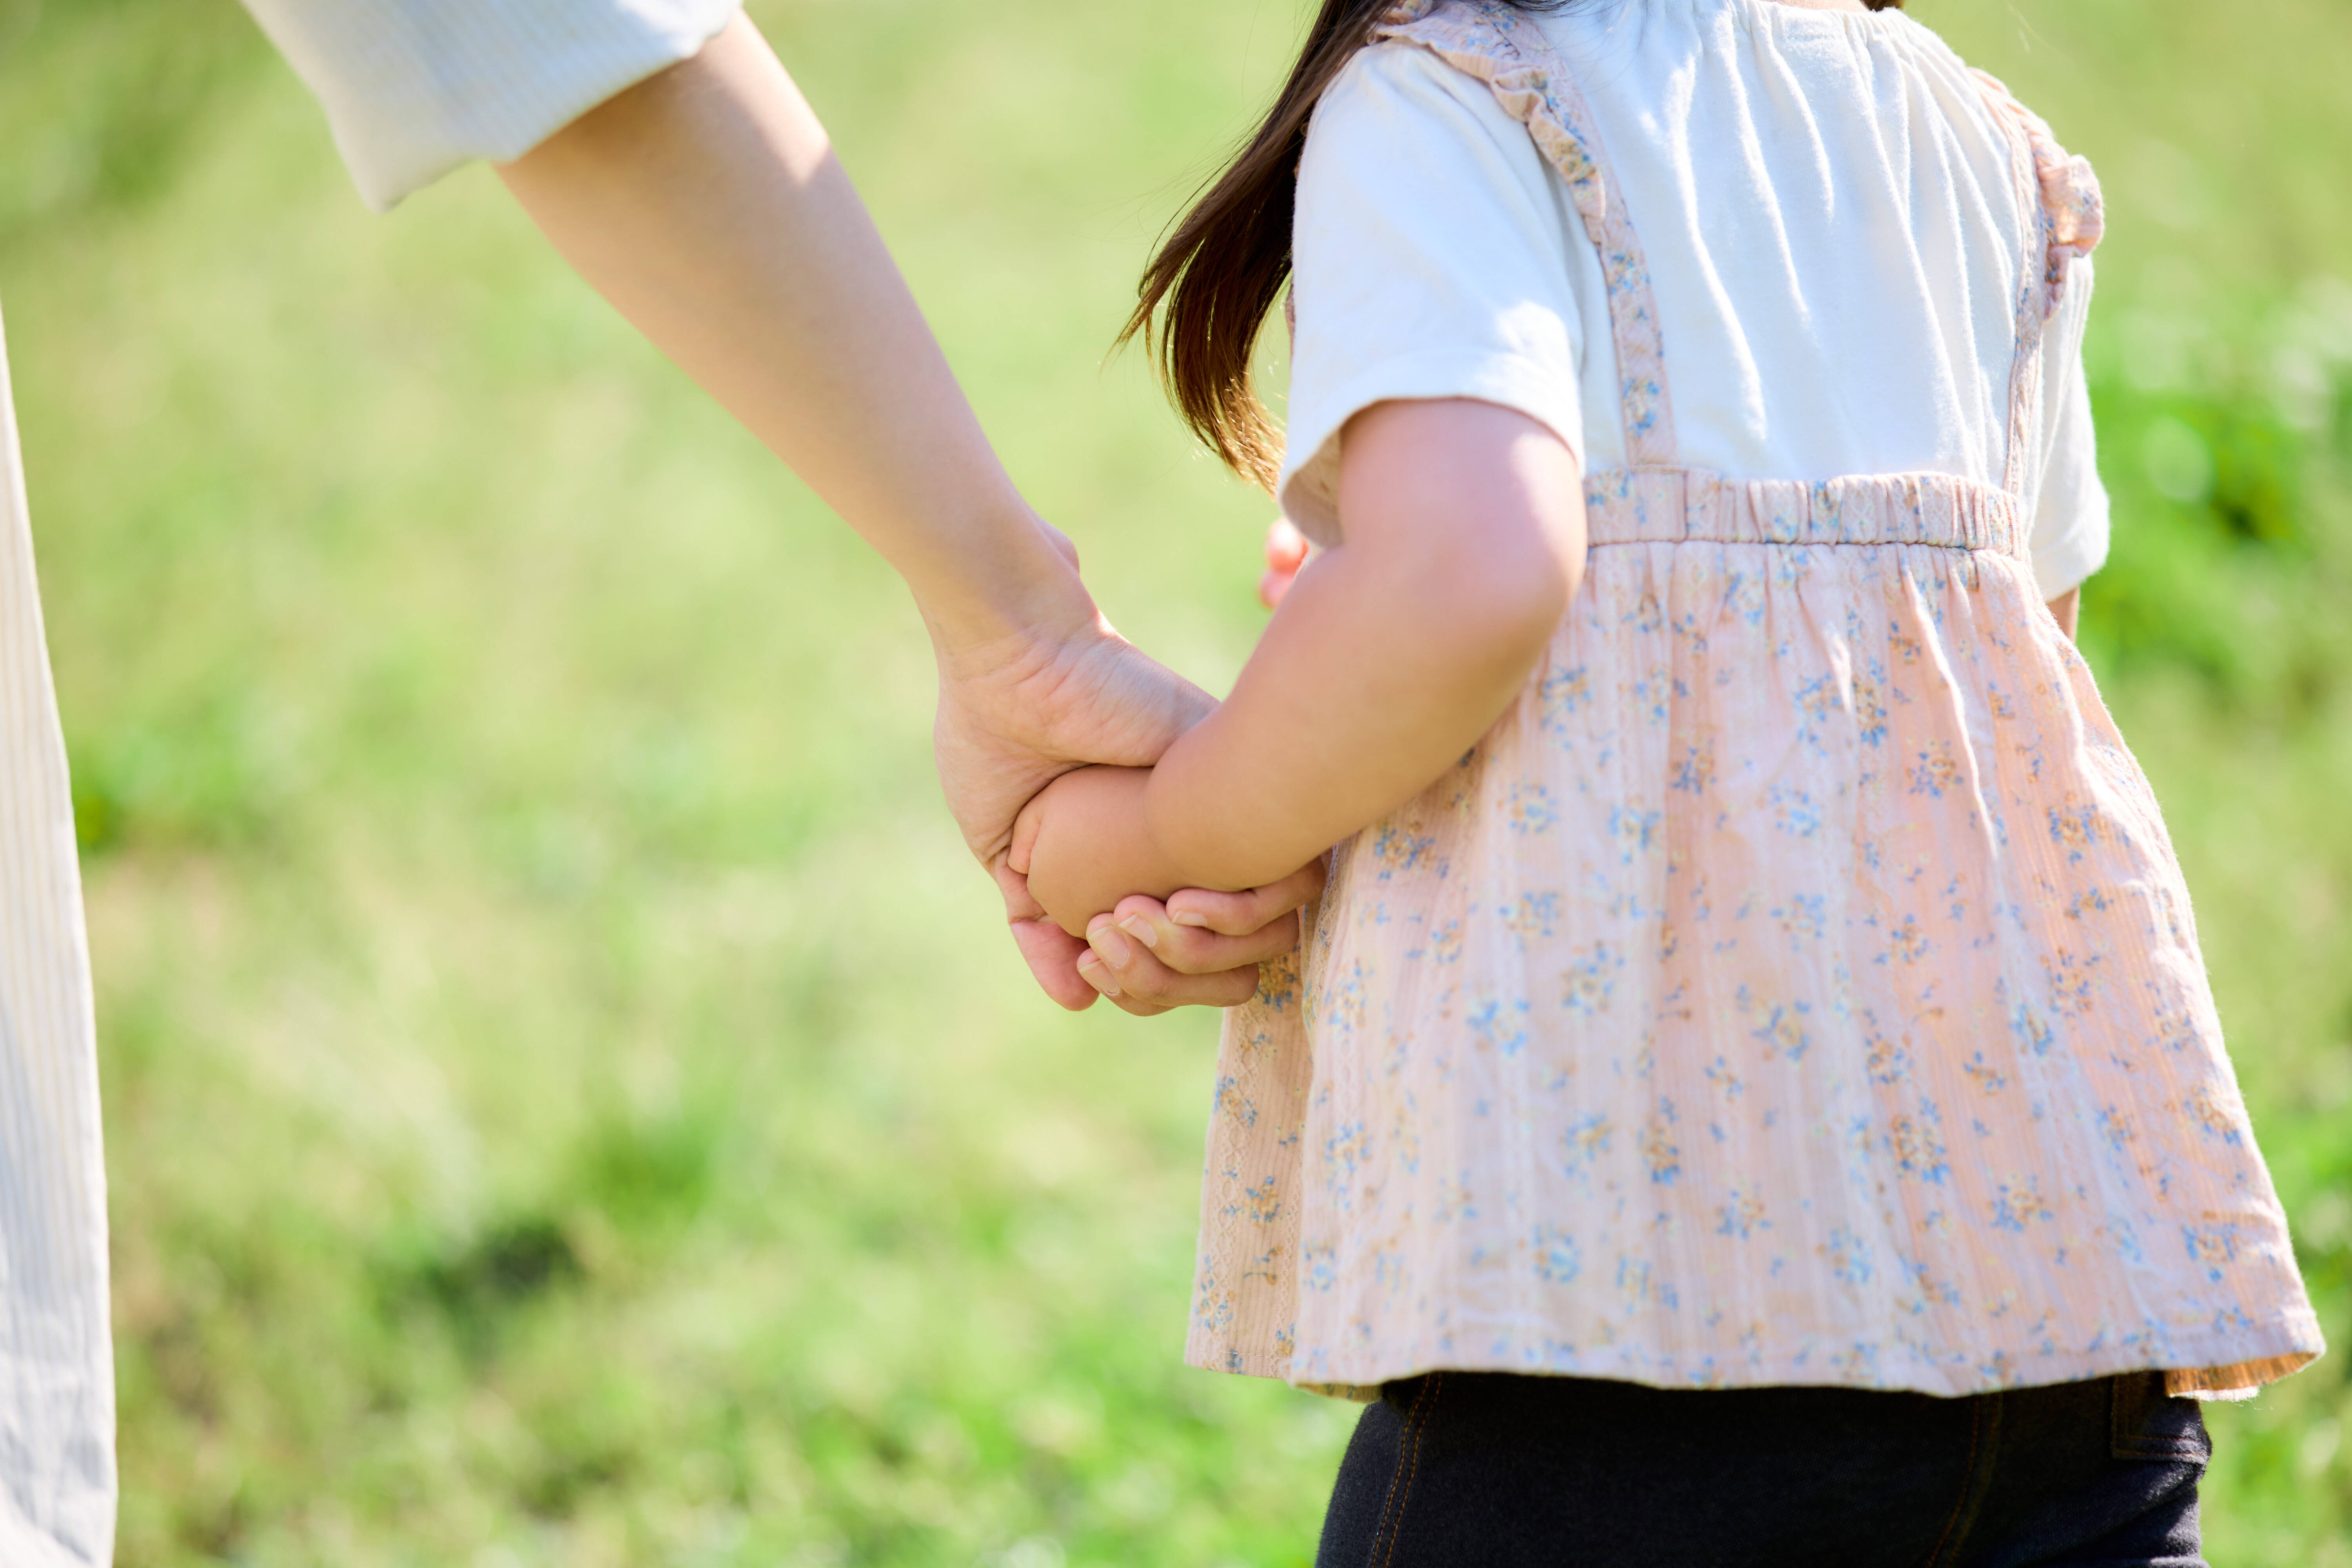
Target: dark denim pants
x=1487 y=1470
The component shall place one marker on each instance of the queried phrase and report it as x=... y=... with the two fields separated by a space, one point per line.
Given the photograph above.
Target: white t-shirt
x=1829 y=211
x=415 y=88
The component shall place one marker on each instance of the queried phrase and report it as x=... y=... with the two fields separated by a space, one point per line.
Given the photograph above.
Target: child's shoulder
x=2069 y=189
x=1399 y=66
x=1452 y=58
x=1398 y=89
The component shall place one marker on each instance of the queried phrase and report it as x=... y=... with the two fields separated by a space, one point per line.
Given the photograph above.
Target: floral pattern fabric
x=1796 y=986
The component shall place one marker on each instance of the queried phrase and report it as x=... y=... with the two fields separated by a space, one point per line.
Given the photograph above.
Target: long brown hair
x=1205 y=296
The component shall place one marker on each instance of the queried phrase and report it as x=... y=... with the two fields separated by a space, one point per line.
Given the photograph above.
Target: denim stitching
x=2129 y=1418
x=1416 y=1423
x=1968 y=1482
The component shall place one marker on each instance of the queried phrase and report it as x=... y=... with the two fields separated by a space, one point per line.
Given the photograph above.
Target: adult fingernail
x=1112 y=946
x=1092 y=970
x=1188 y=918
x=1141 y=930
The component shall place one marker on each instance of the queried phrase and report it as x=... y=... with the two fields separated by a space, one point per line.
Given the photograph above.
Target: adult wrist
x=1007 y=587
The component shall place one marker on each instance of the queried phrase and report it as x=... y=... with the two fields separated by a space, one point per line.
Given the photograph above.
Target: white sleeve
x=2069 y=535
x=413 y=89
x=1431 y=258
x=57 y=1358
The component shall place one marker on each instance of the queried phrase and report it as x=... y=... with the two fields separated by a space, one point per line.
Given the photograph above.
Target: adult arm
x=690 y=184
x=706 y=204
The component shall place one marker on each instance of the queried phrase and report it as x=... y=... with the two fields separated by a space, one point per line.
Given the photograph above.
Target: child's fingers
x=1286 y=553
x=1132 y=974
x=1025 y=827
x=1240 y=914
x=1196 y=949
x=1285 y=547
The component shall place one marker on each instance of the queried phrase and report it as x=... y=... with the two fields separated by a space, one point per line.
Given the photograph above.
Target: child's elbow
x=1506 y=598
x=1541 y=586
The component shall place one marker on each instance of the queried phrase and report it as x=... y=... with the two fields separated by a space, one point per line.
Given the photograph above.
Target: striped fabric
x=57 y=1367
x=413 y=88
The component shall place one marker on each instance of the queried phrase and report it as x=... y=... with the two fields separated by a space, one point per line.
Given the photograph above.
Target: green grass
x=567 y=1102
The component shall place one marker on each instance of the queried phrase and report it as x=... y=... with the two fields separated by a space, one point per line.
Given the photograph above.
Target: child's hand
x=1084 y=845
x=1285 y=554
x=1199 y=949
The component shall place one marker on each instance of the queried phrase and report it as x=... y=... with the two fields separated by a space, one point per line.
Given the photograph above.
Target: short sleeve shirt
x=413 y=89
x=1833 y=232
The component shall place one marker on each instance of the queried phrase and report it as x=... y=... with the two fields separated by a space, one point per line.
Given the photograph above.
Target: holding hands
x=1085 y=850
x=1084 y=859
x=706 y=204
x=1097 y=905
x=1098 y=911
x=1390 y=655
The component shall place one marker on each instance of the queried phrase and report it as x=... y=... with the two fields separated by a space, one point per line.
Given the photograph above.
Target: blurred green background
x=568 y=1100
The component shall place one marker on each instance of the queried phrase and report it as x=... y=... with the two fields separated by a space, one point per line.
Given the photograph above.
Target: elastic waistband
x=1671 y=506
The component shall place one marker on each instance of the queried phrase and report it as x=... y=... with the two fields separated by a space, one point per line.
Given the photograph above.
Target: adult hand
x=1017 y=713
x=706 y=205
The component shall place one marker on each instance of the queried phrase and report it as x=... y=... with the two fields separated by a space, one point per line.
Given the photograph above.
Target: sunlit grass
x=568 y=1100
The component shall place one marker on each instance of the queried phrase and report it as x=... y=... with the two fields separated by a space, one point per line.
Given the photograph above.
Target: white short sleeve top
x=413 y=89
x=1795 y=984
x=1832 y=234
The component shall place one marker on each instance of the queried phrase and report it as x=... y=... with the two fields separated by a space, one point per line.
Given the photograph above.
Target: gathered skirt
x=1796 y=986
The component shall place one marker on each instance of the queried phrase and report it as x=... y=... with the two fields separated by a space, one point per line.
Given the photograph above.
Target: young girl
x=1751 y=962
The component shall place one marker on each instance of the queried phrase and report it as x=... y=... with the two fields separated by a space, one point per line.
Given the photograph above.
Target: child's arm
x=2067 y=608
x=1393 y=654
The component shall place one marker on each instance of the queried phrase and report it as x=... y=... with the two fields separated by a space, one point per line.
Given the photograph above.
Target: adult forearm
x=706 y=205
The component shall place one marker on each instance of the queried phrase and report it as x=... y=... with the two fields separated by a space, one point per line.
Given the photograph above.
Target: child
x=1752 y=962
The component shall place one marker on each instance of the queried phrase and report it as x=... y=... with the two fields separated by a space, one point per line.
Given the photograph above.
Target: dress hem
x=2234 y=1368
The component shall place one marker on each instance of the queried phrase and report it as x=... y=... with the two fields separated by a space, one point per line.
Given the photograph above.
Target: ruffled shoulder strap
x=2074 y=215
x=1504 y=47
x=2059 y=197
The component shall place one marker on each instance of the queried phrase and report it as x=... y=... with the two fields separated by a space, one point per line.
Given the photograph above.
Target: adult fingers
x=1130 y=974
x=1134 y=1006
x=1196 y=949
x=1050 y=953
x=1053 y=957
x=1239 y=914
x=1285 y=547
x=1013 y=887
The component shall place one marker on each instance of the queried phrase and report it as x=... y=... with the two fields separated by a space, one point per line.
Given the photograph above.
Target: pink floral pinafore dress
x=1796 y=986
